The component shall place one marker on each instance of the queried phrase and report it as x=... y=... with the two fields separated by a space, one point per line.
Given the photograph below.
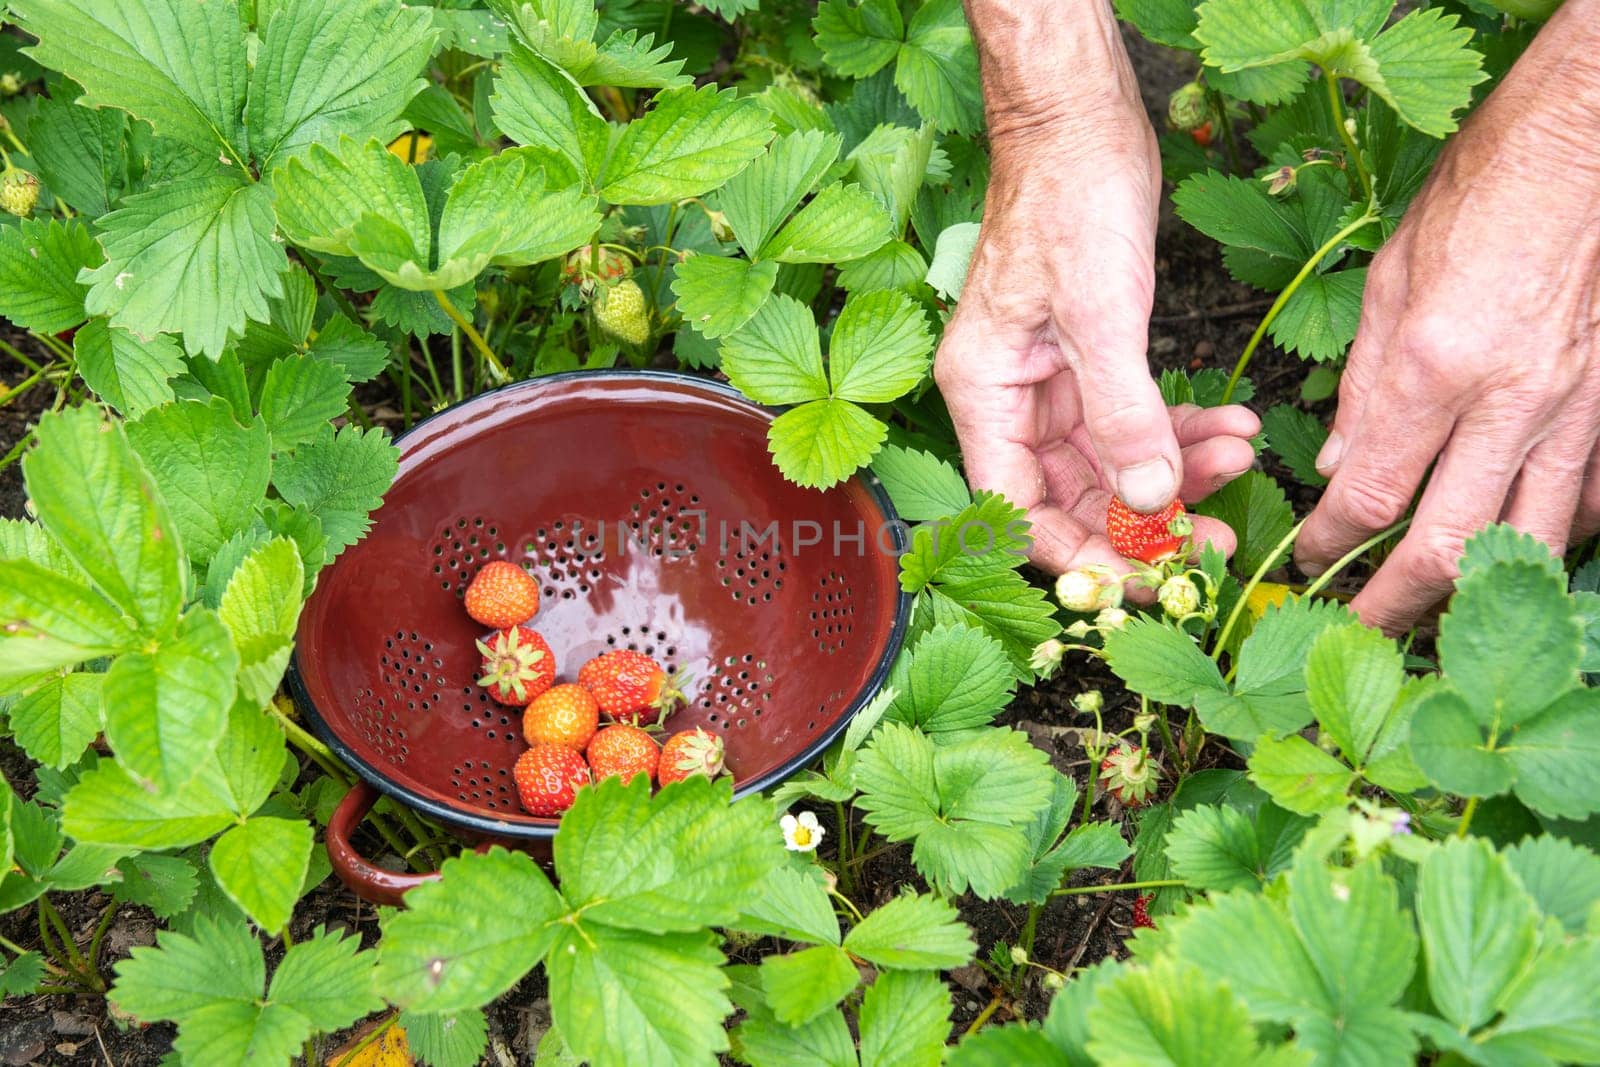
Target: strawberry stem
x=1081 y=890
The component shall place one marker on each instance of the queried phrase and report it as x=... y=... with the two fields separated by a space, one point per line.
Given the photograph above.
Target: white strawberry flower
x=801 y=833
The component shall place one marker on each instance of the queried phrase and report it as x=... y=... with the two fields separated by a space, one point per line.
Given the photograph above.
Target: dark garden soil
x=1201 y=319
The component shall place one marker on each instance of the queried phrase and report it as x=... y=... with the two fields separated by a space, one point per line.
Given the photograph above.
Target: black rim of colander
x=484 y=824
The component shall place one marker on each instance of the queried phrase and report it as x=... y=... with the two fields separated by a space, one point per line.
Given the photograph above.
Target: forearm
x=1050 y=64
x=1546 y=111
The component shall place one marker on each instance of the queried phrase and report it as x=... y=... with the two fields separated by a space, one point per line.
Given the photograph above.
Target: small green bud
x=1089 y=701
x=1111 y=619
x=10 y=83
x=1018 y=956
x=1053 y=981
x=1047 y=656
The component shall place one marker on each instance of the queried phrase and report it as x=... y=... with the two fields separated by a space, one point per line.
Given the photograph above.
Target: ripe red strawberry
x=502 y=594
x=625 y=751
x=630 y=685
x=1129 y=774
x=547 y=777
x=1202 y=135
x=1141 y=911
x=517 y=665
x=688 y=753
x=1148 y=538
x=562 y=715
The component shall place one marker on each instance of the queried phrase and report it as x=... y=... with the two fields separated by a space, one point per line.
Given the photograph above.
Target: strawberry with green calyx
x=548 y=777
x=624 y=751
x=1147 y=538
x=562 y=715
x=502 y=594
x=631 y=686
x=622 y=312
x=517 y=665
x=688 y=753
x=1129 y=774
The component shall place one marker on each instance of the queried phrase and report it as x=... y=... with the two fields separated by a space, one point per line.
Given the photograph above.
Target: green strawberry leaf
x=166 y=710
x=938 y=68
x=458 y=1039
x=260 y=608
x=537 y=103
x=690 y=142
x=211 y=470
x=963 y=804
x=82 y=154
x=717 y=295
x=905 y=1019
x=821 y=443
x=165 y=254
x=759 y=198
x=912 y=932
x=842 y=222
x=48 y=621
x=954 y=680
x=881 y=347
x=776 y=357
x=464 y=940
x=326 y=68
x=122 y=54
x=1159 y=662
x=921 y=485
x=802 y=985
x=1296 y=436
x=1479 y=927
x=340 y=478
x=98 y=501
x=39 y=265
x=261 y=864
x=131 y=374
x=858 y=39
x=1300 y=776
x=56 y=722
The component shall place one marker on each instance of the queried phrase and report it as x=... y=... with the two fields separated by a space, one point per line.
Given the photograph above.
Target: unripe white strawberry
x=1089 y=588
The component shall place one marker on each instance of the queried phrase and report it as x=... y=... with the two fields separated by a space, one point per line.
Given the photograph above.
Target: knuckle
x=1436 y=556
x=1369 y=502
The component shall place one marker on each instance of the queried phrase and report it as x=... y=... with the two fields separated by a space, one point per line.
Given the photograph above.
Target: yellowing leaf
x=389 y=1049
x=412 y=147
x=1264 y=596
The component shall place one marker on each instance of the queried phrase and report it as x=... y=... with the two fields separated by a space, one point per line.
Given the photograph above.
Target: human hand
x=1043 y=364
x=1476 y=354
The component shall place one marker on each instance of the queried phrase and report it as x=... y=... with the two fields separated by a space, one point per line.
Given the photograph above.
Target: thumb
x=1128 y=424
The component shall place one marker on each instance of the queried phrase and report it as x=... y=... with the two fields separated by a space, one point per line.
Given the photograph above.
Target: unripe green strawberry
x=10 y=83
x=1179 y=596
x=622 y=312
x=19 y=192
x=1187 y=107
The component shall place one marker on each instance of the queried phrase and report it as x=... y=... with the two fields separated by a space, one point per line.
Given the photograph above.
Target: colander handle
x=363 y=878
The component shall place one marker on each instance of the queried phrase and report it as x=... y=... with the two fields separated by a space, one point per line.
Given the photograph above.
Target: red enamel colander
x=650 y=510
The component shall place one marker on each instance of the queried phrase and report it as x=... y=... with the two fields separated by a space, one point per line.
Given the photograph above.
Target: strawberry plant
x=232 y=269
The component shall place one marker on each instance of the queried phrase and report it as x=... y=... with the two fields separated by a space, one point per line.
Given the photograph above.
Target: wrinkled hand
x=1043 y=364
x=1476 y=356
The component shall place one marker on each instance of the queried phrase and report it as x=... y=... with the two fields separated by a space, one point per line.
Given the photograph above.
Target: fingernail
x=1227 y=476
x=1332 y=452
x=1147 y=486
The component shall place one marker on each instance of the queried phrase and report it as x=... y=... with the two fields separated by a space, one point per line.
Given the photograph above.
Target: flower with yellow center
x=801 y=833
